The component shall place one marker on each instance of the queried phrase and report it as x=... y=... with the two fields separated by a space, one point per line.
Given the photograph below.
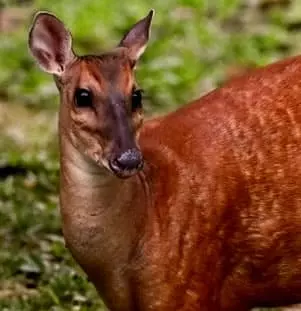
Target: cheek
x=83 y=122
x=137 y=122
x=89 y=145
x=83 y=117
x=85 y=134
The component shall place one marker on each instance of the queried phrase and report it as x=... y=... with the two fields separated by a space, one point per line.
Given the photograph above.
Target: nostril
x=131 y=159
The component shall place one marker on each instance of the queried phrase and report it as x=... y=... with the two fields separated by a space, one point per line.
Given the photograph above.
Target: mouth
x=123 y=172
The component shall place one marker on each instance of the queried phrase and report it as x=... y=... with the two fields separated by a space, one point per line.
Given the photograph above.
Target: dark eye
x=136 y=99
x=83 y=98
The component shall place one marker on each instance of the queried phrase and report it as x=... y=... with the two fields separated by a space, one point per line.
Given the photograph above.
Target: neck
x=103 y=218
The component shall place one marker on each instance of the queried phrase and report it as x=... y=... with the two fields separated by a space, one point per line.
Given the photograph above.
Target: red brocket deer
x=196 y=210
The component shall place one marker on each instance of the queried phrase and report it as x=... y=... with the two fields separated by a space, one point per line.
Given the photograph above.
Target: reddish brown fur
x=213 y=221
x=221 y=217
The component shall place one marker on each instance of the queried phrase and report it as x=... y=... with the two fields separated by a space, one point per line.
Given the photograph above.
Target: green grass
x=195 y=47
x=36 y=271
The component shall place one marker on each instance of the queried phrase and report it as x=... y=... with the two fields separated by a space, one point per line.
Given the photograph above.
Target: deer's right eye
x=83 y=98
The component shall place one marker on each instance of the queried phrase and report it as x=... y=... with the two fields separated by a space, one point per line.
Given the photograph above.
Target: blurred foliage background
x=195 y=46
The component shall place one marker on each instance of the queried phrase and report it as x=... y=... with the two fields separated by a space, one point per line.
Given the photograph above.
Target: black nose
x=129 y=160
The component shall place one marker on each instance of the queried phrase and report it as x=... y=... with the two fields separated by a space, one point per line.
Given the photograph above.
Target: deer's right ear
x=50 y=43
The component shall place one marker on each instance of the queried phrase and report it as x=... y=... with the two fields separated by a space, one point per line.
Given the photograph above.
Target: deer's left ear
x=136 y=39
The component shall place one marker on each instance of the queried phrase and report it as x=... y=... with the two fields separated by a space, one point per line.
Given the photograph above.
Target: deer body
x=212 y=222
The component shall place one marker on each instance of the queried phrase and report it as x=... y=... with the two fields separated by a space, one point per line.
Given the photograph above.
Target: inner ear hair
x=50 y=43
x=136 y=39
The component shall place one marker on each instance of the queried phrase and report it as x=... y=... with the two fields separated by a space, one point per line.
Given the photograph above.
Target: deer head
x=101 y=105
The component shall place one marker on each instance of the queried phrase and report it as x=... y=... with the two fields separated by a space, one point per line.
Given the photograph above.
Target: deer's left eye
x=136 y=100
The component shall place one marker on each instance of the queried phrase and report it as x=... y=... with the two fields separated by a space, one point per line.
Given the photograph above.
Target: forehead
x=102 y=73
